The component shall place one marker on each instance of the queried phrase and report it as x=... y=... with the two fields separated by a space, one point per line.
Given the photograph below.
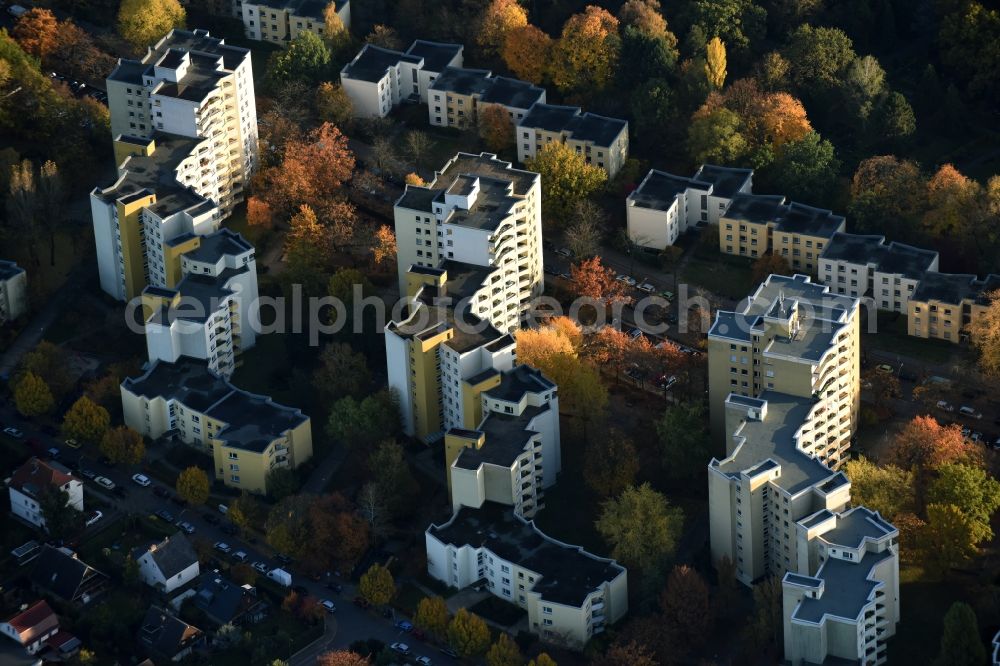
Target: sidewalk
x=307 y=655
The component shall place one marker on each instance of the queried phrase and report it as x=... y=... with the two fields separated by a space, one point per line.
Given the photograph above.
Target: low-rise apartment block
x=944 y=304
x=193 y=85
x=248 y=435
x=456 y=96
x=849 y=607
x=32 y=480
x=209 y=314
x=13 y=291
x=665 y=206
x=281 y=21
x=512 y=453
x=794 y=337
x=569 y=594
x=868 y=267
x=601 y=141
x=756 y=224
x=380 y=79
x=480 y=211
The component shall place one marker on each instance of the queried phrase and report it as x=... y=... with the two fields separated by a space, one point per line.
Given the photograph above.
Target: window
x=235 y=478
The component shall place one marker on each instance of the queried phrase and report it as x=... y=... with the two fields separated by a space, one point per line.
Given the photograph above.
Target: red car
x=418 y=634
x=361 y=602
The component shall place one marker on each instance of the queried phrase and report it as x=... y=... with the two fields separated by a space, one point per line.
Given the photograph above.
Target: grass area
x=892 y=337
x=922 y=606
x=265 y=369
x=497 y=610
x=407 y=598
x=725 y=276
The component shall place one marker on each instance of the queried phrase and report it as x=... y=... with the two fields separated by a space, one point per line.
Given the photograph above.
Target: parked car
x=13 y=432
x=630 y=281
x=403 y=625
x=669 y=295
x=229 y=529
x=240 y=556
x=211 y=518
x=965 y=410
x=361 y=602
x=94 y=517
x=72 y=443
x=945 y=405
x=54 y=452
x=186 y=527
x=160 y=491
x=663 y=383
x=565 y=252
x=104 y=482
x=88 y=473
x=260 y=567
x=884 y=368
x=223 y=547
x=423 y=661
x=447 y=650
x=165 y=515
x=401 y=648
x=283 y=559
x=646 y=287
x=141 y=480
x=329 y=606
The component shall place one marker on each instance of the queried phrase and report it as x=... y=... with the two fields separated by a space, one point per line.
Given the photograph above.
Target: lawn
x=730 y=277
x=407 y=598
x=891 y=337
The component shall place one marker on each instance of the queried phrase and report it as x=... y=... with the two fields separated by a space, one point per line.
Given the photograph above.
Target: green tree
x=432 y=616
x=287 y=526
x=610 y=464
x=51 y=363
x=973 y=490
x=683 y=440
x=566 y=179
x=281 y=482
x=968 y=43
x=947 y=540
x=86 y=421
x=818 y=58
x=652 y=108
x=360 y=424
x=763 y=632
x=716 y=137
x=142 y=23
x=244 y=512
x=32 y=396
x=504 y=652
x=739 y=23
x=333 y=105
x=887 y=489
x=341 y=371
x=391 y=472
x=894 y=118
x=61 y=520
x=130 y=572
x=468 y=635
x=306 y=59
x=377 y=586
x=807 y=169
x=123 y=445
x=649 y=56
x=641 y=527
x=960 y=641
x=192 y=486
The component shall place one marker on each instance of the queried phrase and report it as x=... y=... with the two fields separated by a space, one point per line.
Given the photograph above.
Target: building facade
x=456 y=96
x=480 y=211
x=868 y=267
x=32 y=480
x=13 y=292
x=569 y=595
x=795 y=337
x=168 y=565
x=512 y=453
x=665 y=206
x=211 y=312
x=944 y=305
x=32 y=627
x=601 y=141
x=379 y=79
x=247 y=435
x=281 y=21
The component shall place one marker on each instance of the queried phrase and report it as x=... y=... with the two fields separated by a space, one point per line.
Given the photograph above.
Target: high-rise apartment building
x=793 y=337
x=479 y=211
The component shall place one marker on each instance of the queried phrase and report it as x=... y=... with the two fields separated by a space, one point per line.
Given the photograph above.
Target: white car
x=260 y=567
x=423 y=661
x=970 y=412
x=646 y=287
x=401 y=648
x=104 y=482
x=240 y=556
x=223 y=547
x=945 y=405
x=142 y=480
x=329 y=606
x=94 y=517
x=13 y=432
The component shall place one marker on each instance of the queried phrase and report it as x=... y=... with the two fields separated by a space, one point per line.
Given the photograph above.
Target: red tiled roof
x=36 y=620
x=38 y=474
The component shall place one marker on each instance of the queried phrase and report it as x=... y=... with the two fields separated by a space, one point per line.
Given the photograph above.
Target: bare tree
x=583 y=235
x=371 y=505
x=417 y=146
x=383 y=154
x=51 y=203
x=22 y=205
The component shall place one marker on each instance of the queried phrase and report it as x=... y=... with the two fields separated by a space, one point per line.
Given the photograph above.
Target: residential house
x=32 y=627
x=248 y=435
x=570 y=595
x=281 y=21
x=167 y=565
x=225 y=602
x=664 y=206
x=601 y=141
x=13 y=291
x=60 y=573
x=31 y=480
x=377 y=80
x=167 y=637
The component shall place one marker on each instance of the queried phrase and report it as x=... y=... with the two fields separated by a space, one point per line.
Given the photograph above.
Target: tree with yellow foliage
x=32 y=396
x=501 y=17
x=586 y=55
x=526 y=52
x=496 y=129
x=334 y=31
x=86 y=421
x=643 y=15
x=566 y=179
x=715 y=63
x=984 y=333
x=192 y=486
x=415 y=179
x=142 y=23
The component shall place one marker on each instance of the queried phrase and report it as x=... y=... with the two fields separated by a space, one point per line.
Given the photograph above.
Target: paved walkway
x=307 y=655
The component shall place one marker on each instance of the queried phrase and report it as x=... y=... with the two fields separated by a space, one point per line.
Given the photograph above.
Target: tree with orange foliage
x=644 y=16
x=924 y=445
x=627 y=654
x=686 y=608
x=36 y=32
x=307 y=251
x=75 y=54
x=537 y=346
x=591 y=279
x=341 y=658
x=951 y=196
x=496 y=129
x=782 y=118
x=608 y=348
x=526 y=52
x=887 y=195
x=984 y=333
x=414 y=179
x=384 y=248
x=501 y=17
x=586 y=55
x=259 y=213
x=770 y=264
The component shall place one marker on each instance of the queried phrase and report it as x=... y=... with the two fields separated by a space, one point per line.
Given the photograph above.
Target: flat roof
x=898 y=258
x=659 y=189
x=372 y=63
x=857 y=525
x=847 y=588
x=463 y=81
x=9 y=269
x=726 y=181
x=507 y=436
x=772 y=440
x=215 y=246
x=514 y=93
x=436 y=55
x=566 y=574
x=754 y=208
